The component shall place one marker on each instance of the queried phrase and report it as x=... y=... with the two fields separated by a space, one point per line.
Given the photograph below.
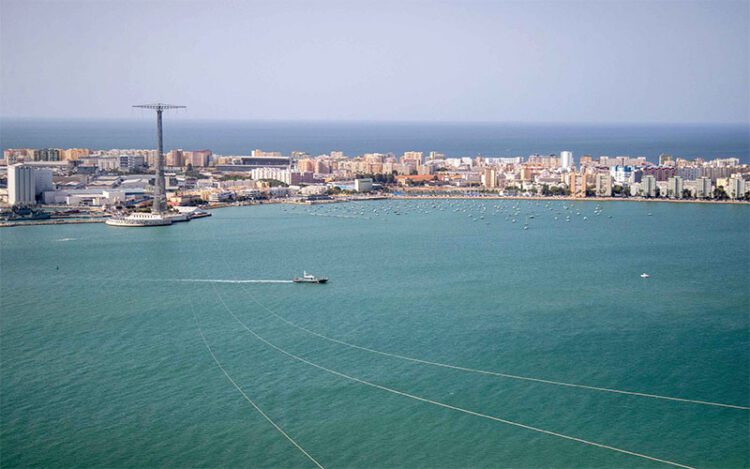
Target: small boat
x=309 y=278
x=645 y=275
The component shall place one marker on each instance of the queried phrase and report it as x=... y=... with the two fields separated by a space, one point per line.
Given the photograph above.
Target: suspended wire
x=438 y=403
x=488 y=372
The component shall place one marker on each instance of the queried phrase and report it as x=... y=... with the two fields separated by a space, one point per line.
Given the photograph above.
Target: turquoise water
x=104 y=365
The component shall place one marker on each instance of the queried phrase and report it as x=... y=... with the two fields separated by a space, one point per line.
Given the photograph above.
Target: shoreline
x=78 y=221
x=570 y=199
x=56 y=221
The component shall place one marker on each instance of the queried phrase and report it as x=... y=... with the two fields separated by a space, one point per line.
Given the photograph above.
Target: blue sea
x=448 y=336
x=354 y=138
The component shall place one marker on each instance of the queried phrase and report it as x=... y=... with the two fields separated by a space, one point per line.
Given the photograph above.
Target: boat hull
x=138 y=222
x=304 y=280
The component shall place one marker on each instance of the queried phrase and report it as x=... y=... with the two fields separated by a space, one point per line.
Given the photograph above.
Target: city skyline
x=615 y=62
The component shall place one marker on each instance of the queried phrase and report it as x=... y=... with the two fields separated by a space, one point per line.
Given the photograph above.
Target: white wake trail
x=216 y=280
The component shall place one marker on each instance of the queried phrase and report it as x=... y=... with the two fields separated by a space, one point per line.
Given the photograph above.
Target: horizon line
x=384 y=121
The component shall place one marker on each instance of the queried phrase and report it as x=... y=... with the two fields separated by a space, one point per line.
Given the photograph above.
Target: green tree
x=274 y=182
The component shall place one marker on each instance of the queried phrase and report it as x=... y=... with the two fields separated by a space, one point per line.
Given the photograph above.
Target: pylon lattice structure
x=160 y=194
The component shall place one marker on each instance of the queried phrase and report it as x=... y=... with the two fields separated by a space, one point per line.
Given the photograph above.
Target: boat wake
x=210 y=280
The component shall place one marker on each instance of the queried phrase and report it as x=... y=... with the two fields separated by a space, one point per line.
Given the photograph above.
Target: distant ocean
x=353 y=138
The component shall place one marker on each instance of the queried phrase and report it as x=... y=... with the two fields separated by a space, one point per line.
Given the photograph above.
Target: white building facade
x=21 y=185
x=566 y=159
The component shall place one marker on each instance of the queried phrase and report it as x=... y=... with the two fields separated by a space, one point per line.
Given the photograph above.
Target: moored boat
x=139 y=220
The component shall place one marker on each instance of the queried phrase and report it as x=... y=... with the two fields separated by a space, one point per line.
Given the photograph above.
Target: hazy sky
x=601 y=61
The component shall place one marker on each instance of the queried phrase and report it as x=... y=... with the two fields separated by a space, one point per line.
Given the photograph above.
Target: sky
x=454 y=61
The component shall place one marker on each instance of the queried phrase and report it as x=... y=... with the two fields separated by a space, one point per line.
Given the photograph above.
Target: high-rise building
x=47 y=154
x=322 y=167
x=306 y=165
x=736 y=187
x=566 y=159
x=577 y=184
x=620 y=173
x=648 y=185
x=74 y=154
x=603 y=185
x=703 y=188
x=42 y=180
x=197 y=158
x=674 y=187
x=664 y=159
x=415 y=156
x=21 y=187
x=489 y=178
x=280 y=174
x=132 y=163
x=173 y=158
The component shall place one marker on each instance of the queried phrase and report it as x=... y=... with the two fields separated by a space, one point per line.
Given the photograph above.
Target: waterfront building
x=224 y=196
x=91 y=197
x=577 y=184
x=489 y=178
x=703 y=188
x=648 y=186
x=21 y=188
x=737 y=187
x=363 y=184
x=674 y=187
x=603 y=185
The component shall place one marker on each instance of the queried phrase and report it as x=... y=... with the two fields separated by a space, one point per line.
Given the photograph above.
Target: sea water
x=237 y=137
x=104 y=361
